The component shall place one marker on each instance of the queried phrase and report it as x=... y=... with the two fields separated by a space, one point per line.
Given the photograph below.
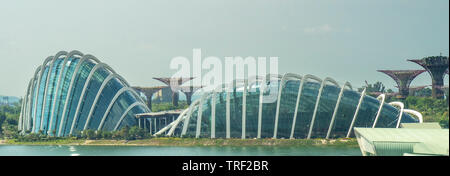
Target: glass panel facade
x=51 y=92
x=108 y=93
x=40 y=99
x=328 y=100
x=55 y=96
x=90 y=93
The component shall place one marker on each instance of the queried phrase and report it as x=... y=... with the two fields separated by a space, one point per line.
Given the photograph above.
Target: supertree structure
x=175 y=86
x=403 y=78
x=437 y=66
x=148 y=92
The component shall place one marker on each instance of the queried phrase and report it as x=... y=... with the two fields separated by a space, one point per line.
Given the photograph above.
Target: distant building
x=9 y=100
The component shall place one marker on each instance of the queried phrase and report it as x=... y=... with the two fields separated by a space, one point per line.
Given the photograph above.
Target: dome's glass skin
x=72 y=92
x=211 y=116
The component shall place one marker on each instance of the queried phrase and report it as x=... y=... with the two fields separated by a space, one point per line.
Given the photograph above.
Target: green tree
x=89 y=134
x=2 y=119
x=377 y=87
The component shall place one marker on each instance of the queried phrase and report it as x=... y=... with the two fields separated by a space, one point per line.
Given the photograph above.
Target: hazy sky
x=346 y=39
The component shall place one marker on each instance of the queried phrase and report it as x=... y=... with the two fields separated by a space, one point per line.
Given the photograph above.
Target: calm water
x=21 y=150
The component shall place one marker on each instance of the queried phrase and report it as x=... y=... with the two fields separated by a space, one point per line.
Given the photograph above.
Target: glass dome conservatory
x=288 y=106
x=72 y=92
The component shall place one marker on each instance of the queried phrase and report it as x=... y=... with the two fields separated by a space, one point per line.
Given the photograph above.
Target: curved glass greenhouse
x=72 y=92
x=288 y=106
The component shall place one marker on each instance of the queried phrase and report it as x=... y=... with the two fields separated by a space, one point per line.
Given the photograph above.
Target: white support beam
x=44 y=102
x=83 y=92
x=126 y=112
x=33 y=96
x=97 y=97
x=402 y=107
x=244 y=109
x=228 y=109
x=199 y=115
x=382 y=97
x=213 y=115
x=69 y=55
x=336 y=108
x=281 y=86
x=120 y=92
x=304 y=80
x=44 y=65
x=415 y=113
x=262 y=88
x=186 y=118
x=363 y=93
x=52 y=112
x=69 y=93
x=177 y=121
x=319 y=95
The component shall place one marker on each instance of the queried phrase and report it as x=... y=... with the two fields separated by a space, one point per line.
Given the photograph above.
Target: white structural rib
x=177 y=121
x=347 y=84
x=213 y=114
x=69 y=94
x=37 y=92
x=415 y=113
x=229 y=89
x=171 y=126
x=382 y=97
x=262 y=88
x=244 y=109
x=300 y=89
x=284 y=79
x=122 y=90
x=24 y=107
x=52 y=110
x=50 y=69
x=100 y=90
x=58 y=84
x=248 y=83
x=363 y=93
x=319 y=95
x=126 y=112
x=402 y=107
x=33 y=96
x=199 y=115
x=26 y=114
x=44 y=102
x=83 y=92
x=167 y=127
x=188 y=117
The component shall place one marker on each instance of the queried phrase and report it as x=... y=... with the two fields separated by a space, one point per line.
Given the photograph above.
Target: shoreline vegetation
x=194 y=142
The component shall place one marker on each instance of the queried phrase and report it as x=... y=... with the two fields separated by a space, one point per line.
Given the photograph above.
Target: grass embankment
x=195 y=142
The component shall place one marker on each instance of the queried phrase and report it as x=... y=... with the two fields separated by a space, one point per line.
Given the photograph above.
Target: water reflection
x=21 y=150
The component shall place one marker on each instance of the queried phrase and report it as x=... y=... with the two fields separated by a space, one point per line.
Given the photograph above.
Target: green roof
x=398 y=141
x=430 y=125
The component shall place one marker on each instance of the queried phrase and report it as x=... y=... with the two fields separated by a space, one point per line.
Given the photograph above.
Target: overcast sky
x=346 y=39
